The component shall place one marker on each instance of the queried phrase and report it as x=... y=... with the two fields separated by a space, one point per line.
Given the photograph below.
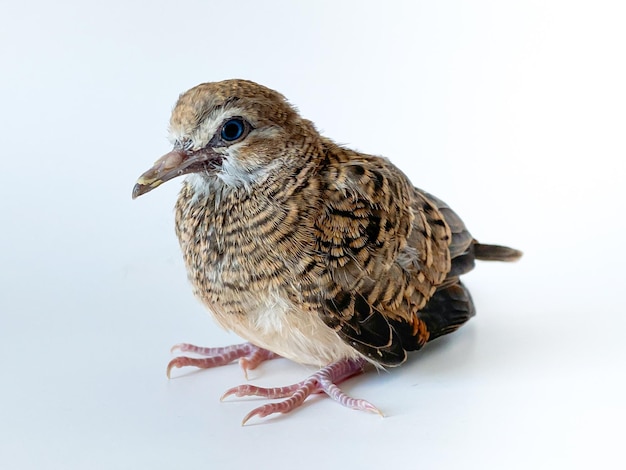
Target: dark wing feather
x=461 y=242
x=385 y=246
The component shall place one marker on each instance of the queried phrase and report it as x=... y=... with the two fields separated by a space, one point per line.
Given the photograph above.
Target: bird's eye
x=232 y=129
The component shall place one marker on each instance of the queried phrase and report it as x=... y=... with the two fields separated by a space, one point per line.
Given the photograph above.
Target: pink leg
x=325 y=380
x=249 y=355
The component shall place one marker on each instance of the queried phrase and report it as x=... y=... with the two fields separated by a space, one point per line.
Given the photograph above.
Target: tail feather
x=495 y=252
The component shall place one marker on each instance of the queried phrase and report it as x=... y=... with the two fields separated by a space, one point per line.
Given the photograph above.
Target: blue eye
x=232 y=129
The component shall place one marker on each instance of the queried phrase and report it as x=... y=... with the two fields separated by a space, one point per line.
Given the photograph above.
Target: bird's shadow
x=436 y=362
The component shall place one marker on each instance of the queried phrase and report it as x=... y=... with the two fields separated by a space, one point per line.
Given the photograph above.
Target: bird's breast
x=229 y=251
x=279 y=325
x=245 y=258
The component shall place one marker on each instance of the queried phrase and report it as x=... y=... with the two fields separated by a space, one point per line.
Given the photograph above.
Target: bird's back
x=393 y=255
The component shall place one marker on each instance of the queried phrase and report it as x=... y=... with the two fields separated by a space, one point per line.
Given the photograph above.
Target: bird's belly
x=281 y=327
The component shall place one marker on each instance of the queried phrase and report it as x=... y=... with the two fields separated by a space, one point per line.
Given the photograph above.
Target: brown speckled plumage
x=305 y=248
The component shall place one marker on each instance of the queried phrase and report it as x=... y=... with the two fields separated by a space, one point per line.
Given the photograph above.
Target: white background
x=513 y=112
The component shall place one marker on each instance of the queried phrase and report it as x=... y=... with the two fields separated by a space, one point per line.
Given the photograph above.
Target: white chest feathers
x=280 y=326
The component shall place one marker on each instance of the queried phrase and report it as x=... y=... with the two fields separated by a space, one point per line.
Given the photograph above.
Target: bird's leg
x=249 y=355
x=325 y=380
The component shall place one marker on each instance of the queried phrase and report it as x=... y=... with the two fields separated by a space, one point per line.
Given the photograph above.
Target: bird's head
x=234 y=130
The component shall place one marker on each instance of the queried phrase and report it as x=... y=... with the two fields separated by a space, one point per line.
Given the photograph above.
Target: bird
x=304 y=248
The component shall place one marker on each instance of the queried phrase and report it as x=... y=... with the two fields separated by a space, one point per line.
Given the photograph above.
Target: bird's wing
x=461 y=241
x=386 y=249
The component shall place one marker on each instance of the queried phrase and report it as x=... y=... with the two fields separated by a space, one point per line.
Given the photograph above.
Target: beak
x=176 y=163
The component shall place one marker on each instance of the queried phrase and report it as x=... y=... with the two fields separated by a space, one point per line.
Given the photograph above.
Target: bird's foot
x=249 y=355
x=323 y=381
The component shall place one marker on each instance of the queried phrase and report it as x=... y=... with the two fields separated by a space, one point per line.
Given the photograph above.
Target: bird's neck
x=222 y=203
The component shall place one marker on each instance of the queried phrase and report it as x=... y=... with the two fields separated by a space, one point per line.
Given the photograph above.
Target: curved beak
x=176 y=163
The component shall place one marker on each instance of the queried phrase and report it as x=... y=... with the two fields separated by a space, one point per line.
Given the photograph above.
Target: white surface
x=512 y=112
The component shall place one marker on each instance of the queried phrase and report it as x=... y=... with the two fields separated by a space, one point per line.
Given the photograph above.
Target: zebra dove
x=306 y=249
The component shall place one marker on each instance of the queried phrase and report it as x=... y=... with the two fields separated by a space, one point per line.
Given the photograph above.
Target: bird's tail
x=495 y=252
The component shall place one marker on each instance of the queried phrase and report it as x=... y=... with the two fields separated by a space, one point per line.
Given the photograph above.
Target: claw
x=256 y=357
x=176 y=347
